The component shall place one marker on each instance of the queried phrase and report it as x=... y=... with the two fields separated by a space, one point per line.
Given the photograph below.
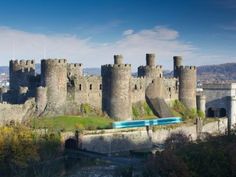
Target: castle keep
x=62 y=87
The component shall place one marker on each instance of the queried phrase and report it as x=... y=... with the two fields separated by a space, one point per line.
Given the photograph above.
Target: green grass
x=70 y=123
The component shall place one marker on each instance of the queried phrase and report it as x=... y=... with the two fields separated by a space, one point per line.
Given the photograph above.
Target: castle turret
x=74 y=70
x=20 y=73
x=41 y=99
x=187 y=85
x=54 y=77
x=150 y=60
x=201 y=103
x=116 y=89
x=118 y=59
x=151 y=69
x=177 y=63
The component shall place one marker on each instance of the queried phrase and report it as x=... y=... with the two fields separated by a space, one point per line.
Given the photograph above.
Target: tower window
x=135 y=87
x=90 y=86
x=80 y=87
x=100 y=86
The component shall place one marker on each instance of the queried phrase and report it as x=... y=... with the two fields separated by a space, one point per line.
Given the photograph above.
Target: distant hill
x=92 y=71
x=4 y=69
x=207 y=73
x=215 y=73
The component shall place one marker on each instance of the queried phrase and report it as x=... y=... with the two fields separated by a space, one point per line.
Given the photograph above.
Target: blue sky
x=91 y=31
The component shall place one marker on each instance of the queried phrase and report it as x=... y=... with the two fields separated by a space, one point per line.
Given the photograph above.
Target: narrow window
x=100 y=86
x=135 y=87
x=80 y=87
x=90 y=87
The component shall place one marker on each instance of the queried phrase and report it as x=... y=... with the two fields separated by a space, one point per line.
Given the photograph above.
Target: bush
x=215 y=157
x=176 y=140
x=80 y=127
x=201 y=114
x=166 y=164
x=86 y=109
x=20 y=148
x=141 y=110
x=179 y=110
x=17 y=148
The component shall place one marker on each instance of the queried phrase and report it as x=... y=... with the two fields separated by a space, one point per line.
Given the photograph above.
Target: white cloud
x=160 y=40
x=128 y=32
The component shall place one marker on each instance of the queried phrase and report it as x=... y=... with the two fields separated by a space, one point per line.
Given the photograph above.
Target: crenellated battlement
x=19 y=73
x=74 y=65
x=23 y=62
x=54 y=61
x=23 y=65
x=110 y=67
x=147 y=66
x=74 y=70
x=188 y=68
x=116 y=66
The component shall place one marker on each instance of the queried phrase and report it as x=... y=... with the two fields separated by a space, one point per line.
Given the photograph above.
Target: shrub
x=176 y=140
x=21 y=147
x=166 y=164
x=86 y=109
x=80 y=127
x=179 y=110
x=141 y=109
x=201 y=114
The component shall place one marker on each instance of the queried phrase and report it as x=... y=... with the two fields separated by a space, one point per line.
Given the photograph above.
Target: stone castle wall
x=138 y=87
x=171 y=85
x=74 y=70
x=87 y=89
x=124 y=140
x=16 y=113
x=63 y=84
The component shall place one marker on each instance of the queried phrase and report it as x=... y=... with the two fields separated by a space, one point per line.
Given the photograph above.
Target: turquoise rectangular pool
x=148 y=122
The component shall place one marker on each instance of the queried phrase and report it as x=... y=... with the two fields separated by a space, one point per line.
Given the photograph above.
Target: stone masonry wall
x=16 y=112
x=120 y=140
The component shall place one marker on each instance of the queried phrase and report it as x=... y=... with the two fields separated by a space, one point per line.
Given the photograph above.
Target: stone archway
x=71 y=144
x=222 y=112
x=210 y=112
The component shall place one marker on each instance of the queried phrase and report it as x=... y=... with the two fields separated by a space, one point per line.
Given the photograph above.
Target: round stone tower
x=54 y=77
x=201 y=103
x=41 y=99
x=177 y=63
x=20 y=73
x=151 y=69
x=116 y=89
x=187 y=85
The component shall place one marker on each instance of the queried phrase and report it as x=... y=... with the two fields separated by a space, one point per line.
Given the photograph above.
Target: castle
x=62 y=87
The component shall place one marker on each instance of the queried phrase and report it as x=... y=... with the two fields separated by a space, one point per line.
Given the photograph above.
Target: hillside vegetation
x=214 y=73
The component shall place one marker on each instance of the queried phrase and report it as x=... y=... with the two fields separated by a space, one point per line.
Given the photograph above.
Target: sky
x=203 y=32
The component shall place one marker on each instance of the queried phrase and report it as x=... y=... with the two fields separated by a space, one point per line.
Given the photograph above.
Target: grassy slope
x=72 y=122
